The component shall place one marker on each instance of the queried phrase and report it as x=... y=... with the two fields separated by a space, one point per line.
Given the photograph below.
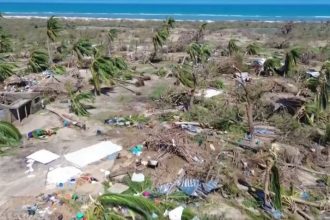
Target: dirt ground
x=17 y=185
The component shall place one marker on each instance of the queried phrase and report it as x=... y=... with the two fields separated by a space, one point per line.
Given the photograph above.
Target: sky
x=186 y=1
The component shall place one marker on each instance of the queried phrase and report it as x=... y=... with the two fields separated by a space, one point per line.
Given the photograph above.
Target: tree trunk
x=267 y=177
x=109 y=49
x=249 y=112
x=192 y=98
x=49 y=53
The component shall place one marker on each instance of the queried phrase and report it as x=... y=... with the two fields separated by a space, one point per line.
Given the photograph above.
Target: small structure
x=18 y=105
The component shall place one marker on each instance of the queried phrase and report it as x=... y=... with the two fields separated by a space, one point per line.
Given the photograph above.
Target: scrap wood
x=171 y=141
x=244 y=146
x=65 y=117
x=305 y=169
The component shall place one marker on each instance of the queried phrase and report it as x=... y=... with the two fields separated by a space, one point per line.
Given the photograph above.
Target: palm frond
x=76 y=102
x=140 y=205
x=291 y=60
x=199 y=52
x=232 y=47
x=112 y=34
x=185 y=75
x=39 y=61
x=253 y=49
x=9 y=134
x=53 y=28
x=270 y=65
x=5 y=42
x=83 y=47
x=6 y=70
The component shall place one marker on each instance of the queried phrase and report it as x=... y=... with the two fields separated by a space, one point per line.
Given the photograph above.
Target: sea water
x=205 y=12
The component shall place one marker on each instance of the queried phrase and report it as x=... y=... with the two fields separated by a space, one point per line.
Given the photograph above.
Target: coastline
x=90 y=18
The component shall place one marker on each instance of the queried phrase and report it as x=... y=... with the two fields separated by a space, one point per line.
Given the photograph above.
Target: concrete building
x=18 y=105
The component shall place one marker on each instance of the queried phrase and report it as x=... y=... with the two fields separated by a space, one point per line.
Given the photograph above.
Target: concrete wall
x=5 y=115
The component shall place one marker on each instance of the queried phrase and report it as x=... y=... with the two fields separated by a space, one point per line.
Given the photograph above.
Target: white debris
x=176 y=213
x=313 y=73
x=62 y=174
x=209 y=93
x=88 y=155
x=29 y=164
x=138 y=177
x=43 y=156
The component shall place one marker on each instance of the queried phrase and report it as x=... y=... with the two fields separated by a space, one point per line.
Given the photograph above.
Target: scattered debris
x=138 y=177
x=176 y=213
x=209 y=93
x=61 y=175
x=137 y=150
x=43 y=156
x=118 y=188
x=88 y=155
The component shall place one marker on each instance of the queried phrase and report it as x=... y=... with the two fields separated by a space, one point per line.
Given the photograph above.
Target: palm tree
x=161 y=36
x=169 y=23
x=53 y=30
x=6 y=70
x=271 y=65
x=39 y=61
x=112 y=34
x=252 y=49
x=232 y=47
x=9 y=134
x=188 y=78
x=291 y=60
x=158 y=41
x=200 y=33
x=5 y=42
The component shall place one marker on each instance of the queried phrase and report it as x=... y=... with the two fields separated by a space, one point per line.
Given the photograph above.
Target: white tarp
x=93 y=153
x=209 y=93
x=43 y=156
x=62 y=174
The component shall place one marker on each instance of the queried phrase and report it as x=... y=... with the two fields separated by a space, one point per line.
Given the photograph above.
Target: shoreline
x=88 y=18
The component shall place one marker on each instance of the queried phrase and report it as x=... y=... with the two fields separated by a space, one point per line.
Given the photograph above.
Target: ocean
x=179 y=12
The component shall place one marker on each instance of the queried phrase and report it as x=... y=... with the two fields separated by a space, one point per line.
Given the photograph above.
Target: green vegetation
x=76 y=102
x=6 y=70
x=9 y=134
x=39 y=61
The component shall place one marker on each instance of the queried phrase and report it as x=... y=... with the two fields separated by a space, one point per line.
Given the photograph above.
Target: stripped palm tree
x=112 y=34
x=232 y=47
x=6 y=70
x=39 y=61
x=53 y=29
x=252 y=49
x=9 y=134
x=200 y=33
